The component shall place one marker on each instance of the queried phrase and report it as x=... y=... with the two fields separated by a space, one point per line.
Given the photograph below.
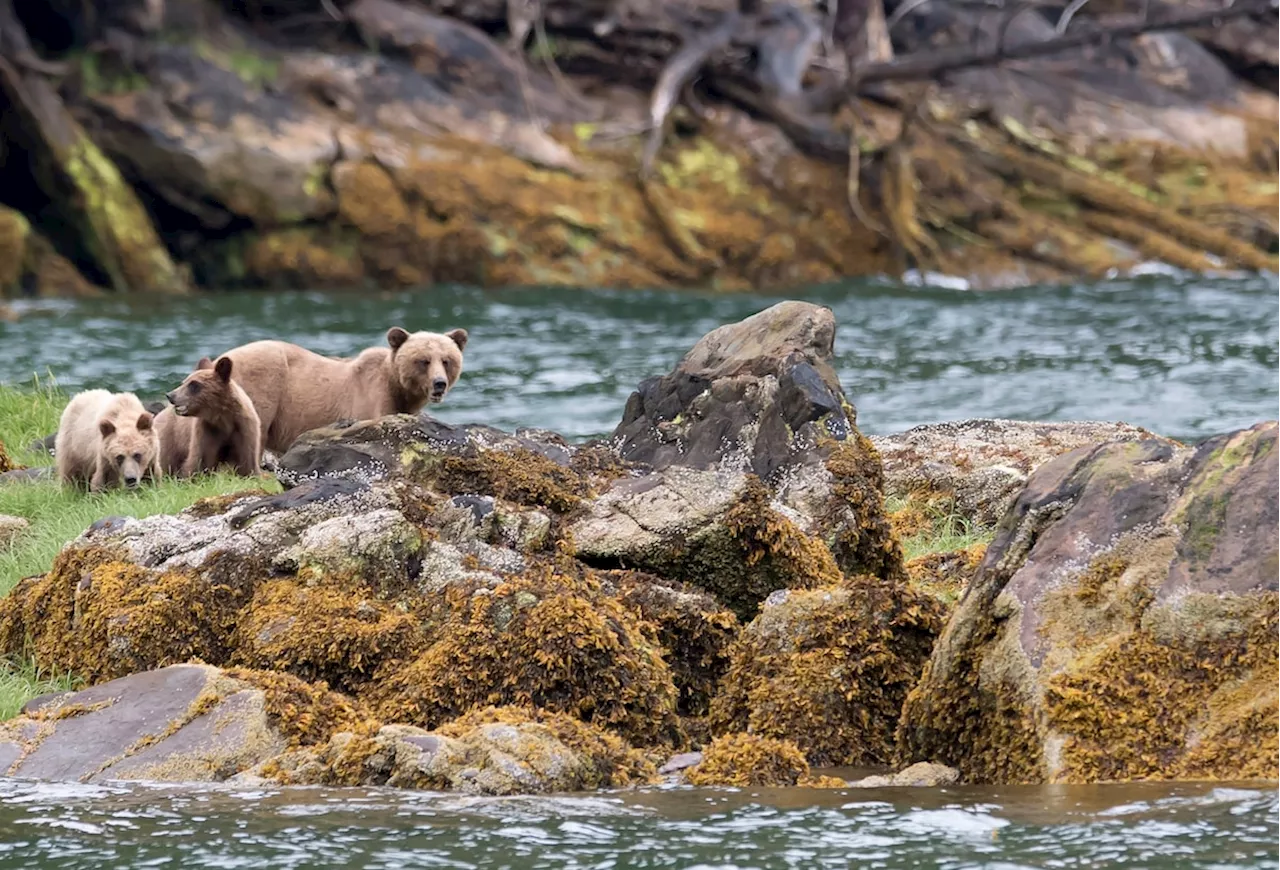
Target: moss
x=521 y=476
x=322 y=634
x=829 y=669
x=14 y=232
x=611 y=761
x=306 y=714
x=216 y=505
x=944 y=576
x=547 y=640
x=694 y=629
x=746 y=760
x=119 y=232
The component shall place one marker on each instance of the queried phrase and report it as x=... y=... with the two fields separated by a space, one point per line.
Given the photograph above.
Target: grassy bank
x=58 y=514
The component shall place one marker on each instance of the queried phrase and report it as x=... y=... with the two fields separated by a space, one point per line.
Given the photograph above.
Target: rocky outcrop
x=429 y=571
x=978 y=467
x=1122 y=625
x=411 y=146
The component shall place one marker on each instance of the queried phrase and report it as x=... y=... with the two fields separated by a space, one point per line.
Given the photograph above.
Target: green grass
x=948 y=531
x=21 y=680
x=58 y=514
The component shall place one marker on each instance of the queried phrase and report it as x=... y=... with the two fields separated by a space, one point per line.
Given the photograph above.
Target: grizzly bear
x=211 y=422
x=106 y=439
x=295 y=390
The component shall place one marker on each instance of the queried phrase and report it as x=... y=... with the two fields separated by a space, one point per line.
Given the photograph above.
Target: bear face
x=129 y=450
x=426 y=365
x=206 y=392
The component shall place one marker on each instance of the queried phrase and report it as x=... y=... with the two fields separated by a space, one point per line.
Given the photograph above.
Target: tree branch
x=935 y=63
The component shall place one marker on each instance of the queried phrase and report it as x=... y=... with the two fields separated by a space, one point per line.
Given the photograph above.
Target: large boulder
x=186 y=723
x=1123 y=624
x=760 y=478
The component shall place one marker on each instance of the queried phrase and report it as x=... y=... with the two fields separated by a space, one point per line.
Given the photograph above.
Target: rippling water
x=1186 y=358
x=1164 y=826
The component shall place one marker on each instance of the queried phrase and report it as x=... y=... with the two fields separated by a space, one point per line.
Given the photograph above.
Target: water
x=1185 y=358
x=1165 y=826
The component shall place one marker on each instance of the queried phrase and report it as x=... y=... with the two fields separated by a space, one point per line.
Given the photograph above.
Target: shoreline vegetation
x=169 y=147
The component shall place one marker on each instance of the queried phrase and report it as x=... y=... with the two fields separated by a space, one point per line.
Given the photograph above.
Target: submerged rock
x=924 y=774
x=1122 y=625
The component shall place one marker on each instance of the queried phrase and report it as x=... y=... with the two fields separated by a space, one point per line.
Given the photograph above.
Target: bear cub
x=105 y=440
x=212 y=422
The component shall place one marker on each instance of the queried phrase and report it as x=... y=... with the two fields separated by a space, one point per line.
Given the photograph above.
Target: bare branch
x=933 y=64
x=1070 y=12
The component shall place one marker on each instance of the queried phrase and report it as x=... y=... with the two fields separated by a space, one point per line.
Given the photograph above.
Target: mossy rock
x=544 y=639
x=828 y=669
x=746 y=760
x=1122 y=625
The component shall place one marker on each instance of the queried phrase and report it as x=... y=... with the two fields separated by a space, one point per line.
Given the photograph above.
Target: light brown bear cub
x=106 y=439
x=295 y=390
x=212 y=422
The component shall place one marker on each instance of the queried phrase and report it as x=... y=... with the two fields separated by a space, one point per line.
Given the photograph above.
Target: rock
x=980 y=466
x=11 y=528
x=828 y=669
x=1123 y=624
x=680 y=761
x=101 y=210
x=27 y=475
x=760 y=478
x=6 y=464
x=924 y=774
x=493 y=751
x=185 y=723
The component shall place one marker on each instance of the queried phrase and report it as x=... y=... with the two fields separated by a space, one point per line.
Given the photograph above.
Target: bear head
x=206 y=392
x=130 y=447
x=426 y=365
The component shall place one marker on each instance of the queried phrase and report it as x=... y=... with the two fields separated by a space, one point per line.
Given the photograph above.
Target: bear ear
x=459 y=337
x=204 y=365
x=396 y=337
x=223 y=367
x=144 y=422
x=107 y=428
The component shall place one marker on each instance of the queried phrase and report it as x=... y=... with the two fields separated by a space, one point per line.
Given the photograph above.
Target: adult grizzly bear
x=295 y=390
x=212 y=422
x=106 y=439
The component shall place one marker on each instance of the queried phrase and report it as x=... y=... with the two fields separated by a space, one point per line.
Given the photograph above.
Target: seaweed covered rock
x=760 y=479
x=749 y=760
x=978 y=467
x=544 y=639
x=185 y=723
x=828 y=669
x=1123 y=624
x=692 y=627
x=492 y=751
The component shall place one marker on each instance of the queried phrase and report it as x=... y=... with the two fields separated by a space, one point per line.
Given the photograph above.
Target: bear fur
x=295 y=390
x=107 y=439
x=212 y=421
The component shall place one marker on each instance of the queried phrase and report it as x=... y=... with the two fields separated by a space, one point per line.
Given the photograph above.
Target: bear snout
x=130 y=482
x=438 y=386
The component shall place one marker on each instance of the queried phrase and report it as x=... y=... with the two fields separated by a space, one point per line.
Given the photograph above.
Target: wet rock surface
x=1122 y=624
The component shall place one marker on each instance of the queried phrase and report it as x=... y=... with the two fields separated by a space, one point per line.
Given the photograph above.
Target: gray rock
x=983 y=464
x=11 y=528
x=184 y=723
x=923 y=774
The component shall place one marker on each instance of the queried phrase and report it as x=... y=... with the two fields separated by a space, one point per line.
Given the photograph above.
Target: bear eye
x=120 y=459
x=422 y=365
x=137 y=457
x=194 y=388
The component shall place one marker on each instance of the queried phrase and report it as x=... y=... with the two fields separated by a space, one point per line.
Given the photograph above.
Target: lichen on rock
x=1122 y=625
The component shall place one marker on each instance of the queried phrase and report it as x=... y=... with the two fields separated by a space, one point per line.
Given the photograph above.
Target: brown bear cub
x=295 y=390
x=105 y=440
x=212 y=422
